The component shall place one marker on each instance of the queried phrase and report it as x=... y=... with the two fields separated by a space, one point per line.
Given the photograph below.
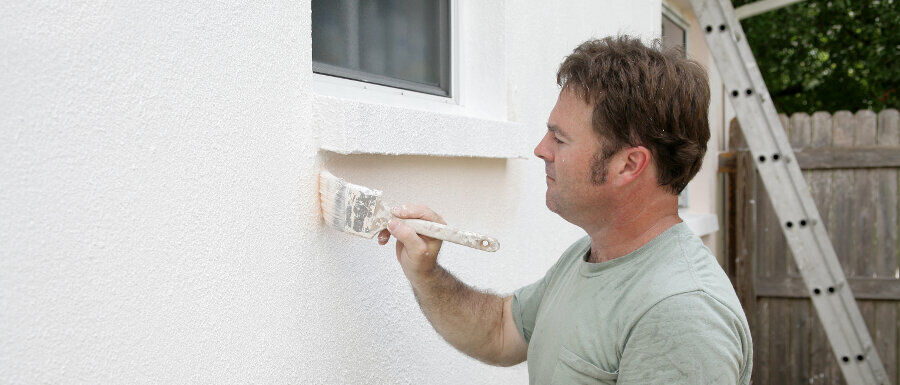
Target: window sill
x=700 y=224
x=362 y=127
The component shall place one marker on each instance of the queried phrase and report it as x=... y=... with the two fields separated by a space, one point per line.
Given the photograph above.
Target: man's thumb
x=406 y=235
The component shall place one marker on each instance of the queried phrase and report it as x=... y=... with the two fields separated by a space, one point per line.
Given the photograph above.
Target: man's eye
x=557 y=140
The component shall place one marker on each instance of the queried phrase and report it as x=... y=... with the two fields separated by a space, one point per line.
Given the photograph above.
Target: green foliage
x=828 y=55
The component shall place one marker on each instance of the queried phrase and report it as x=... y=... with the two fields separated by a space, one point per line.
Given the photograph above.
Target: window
x=398 y=69
x=397 y=43
x=674 y=29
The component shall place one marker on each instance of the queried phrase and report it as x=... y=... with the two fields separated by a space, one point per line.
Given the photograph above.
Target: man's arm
x=477 y=323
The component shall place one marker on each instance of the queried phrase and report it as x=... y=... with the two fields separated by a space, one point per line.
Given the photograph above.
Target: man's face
x=570 y=151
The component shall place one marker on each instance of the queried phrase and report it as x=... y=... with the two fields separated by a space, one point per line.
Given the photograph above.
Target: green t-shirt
x=663 y=314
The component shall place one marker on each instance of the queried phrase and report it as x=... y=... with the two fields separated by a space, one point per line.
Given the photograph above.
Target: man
x=639 y=300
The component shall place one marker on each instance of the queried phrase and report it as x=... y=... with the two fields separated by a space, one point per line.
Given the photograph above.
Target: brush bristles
x=346 y=206
x=330 y=189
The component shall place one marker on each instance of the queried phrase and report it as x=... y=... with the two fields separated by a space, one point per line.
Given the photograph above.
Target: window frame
x=678 y=19
x=446 y=62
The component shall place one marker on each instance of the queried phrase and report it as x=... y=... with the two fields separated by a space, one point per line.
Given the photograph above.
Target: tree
x=828 y=55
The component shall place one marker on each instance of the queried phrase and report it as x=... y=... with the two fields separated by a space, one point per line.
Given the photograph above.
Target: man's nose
x=542 y=150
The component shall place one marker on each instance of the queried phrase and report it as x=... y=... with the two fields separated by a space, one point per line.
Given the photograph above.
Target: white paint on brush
x=351 y=208
x=358 y=210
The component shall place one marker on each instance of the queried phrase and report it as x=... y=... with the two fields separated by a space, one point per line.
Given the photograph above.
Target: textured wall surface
x=159 y=201
x=157 y=169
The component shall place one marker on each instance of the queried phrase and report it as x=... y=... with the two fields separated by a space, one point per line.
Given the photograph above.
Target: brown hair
x=643 y=96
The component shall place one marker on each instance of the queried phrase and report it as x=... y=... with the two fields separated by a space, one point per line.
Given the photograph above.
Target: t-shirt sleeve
x=688 y=338
x=525 y=303
x=527 y=300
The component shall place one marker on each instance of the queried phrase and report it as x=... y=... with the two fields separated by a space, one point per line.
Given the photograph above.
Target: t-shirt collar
x=592 y=269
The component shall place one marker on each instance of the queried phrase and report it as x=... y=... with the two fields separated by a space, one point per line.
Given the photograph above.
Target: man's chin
x=550 y=203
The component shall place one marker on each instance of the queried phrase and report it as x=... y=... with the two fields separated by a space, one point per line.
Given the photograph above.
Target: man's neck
x=634 y=226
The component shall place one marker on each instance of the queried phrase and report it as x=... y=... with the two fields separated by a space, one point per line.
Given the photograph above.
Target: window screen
x=398 y=43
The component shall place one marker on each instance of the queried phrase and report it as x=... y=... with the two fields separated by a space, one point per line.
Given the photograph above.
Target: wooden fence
x=851 y=162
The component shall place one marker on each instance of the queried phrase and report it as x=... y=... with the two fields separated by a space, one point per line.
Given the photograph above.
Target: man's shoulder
x=680 y=268
x=683 y=264
x=691 y=307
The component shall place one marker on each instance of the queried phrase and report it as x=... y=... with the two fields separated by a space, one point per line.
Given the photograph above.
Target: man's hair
x=643 y=96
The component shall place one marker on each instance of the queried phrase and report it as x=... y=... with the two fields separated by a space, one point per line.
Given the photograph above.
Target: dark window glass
x=397 y=43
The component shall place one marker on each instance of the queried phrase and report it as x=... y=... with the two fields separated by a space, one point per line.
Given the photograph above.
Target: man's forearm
x=468 y=319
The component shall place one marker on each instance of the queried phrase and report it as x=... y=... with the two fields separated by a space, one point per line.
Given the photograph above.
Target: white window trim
x=355 y=117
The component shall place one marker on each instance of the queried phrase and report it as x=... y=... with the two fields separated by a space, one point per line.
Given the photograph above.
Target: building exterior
x=159 y=187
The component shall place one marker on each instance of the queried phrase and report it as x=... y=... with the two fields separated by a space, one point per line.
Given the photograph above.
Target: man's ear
x=633 y=162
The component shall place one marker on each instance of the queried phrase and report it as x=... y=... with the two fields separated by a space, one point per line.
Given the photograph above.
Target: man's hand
x=477 y=323
x=416 y=253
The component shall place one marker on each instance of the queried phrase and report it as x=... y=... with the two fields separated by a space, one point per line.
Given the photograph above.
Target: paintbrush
x=359 y=210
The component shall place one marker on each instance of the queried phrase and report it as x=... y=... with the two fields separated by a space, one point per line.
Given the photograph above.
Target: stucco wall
x=157 y=169
x=159 y=201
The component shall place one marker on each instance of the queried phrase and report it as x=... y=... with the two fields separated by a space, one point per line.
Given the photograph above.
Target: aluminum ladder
x=796 y=211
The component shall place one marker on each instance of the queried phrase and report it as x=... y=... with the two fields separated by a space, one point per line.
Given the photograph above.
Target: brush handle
x=447 y=233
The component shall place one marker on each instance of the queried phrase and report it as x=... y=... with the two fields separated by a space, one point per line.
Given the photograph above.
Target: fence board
x=865 y=194
x=746 y=262
x=799 y=132
x=779 y=329
x=843 y=191
x=885 y=336
x=887 y=249
x=822 y=360
x=764 y=214
x=745 y=179
x=864 y=197
x=761 y=344
x=798 y=353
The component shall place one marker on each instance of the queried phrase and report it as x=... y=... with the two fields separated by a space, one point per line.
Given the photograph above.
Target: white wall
x=159 y=198
x=156 y=172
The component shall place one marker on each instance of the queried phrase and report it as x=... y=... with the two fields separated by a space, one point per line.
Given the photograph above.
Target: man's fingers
x=383 y=237
x=407 y=236
x=416 y=211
